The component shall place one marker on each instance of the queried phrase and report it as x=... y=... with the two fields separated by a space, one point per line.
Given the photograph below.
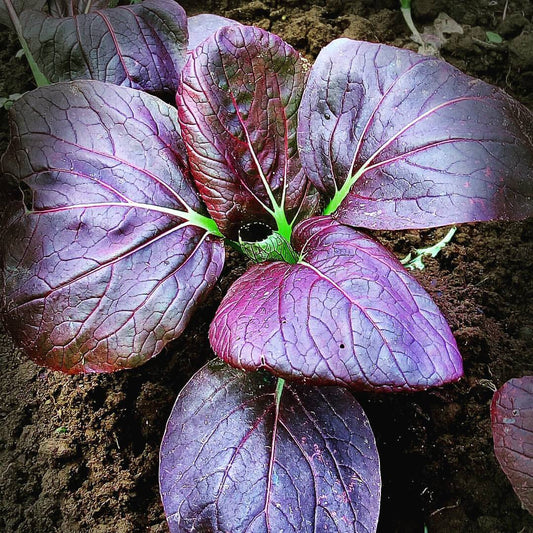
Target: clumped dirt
x=81 y=453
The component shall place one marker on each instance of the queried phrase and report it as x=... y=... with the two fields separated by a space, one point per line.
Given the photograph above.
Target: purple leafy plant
x=346 y=313
x=512 y=430
x=262 y=461
x=142 y=46
x=110 y=252
x=395 y=140
x=125 y=203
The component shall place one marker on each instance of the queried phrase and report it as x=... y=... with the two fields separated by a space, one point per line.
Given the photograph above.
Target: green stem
x=341 y=194
x=425 y=48
x=406 y=12
x=203 y=222
x=284 y=228
x=279 y=390
x=333 y=204
x=40 y=78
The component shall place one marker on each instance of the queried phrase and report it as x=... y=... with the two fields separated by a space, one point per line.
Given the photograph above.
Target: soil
x=80 y=454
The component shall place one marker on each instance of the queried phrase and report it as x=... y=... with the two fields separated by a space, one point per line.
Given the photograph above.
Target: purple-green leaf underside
x=103 y=266
x=233 y=459
x=512 y=430
x=427 y=144
x=238 y=103
x=347 y=313
x=142 y=46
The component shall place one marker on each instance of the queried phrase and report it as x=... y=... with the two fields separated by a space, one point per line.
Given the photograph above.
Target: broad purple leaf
x=142 y=46
x=202 y=26
x=71 y=8
x=512 y=430
x=430 y=145
x=103 y=268
x=238 y=104
x=19 y=5
x=347 y=313
x=233 y=459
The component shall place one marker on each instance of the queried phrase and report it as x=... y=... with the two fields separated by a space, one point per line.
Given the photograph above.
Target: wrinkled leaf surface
x=432 y=146
x=102 y=269
x=238 y=104
x=231 y=460
x=347 y=313
x=142 y=46
x=512 y=430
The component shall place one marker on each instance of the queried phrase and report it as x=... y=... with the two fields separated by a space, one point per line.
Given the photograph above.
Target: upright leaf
x=347 y=313
x=142 y=46
x=238 y=457
x=19 y=5
x=405 y=141
x=108 y=257
x=512 y=430
x=238 y=104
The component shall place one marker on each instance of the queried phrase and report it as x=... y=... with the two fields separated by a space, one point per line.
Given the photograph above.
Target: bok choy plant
x=119 y=206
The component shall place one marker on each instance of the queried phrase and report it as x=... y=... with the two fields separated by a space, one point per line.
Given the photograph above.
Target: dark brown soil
x=81 y=453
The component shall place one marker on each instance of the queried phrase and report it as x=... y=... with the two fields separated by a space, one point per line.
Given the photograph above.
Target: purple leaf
x=108 y=260
x=347 y=313
x=512 y=430
x=142 y=46
x=202 y=26
x=234 y=458
x=238 y=104
x=19 y=5
x=71 y=8
x=426 y=144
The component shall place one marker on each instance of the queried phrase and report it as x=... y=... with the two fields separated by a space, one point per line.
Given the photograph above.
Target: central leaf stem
x=196 y=219
x=284 y=228
x=341 y=194
x=279 y=391
x=278 y=209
